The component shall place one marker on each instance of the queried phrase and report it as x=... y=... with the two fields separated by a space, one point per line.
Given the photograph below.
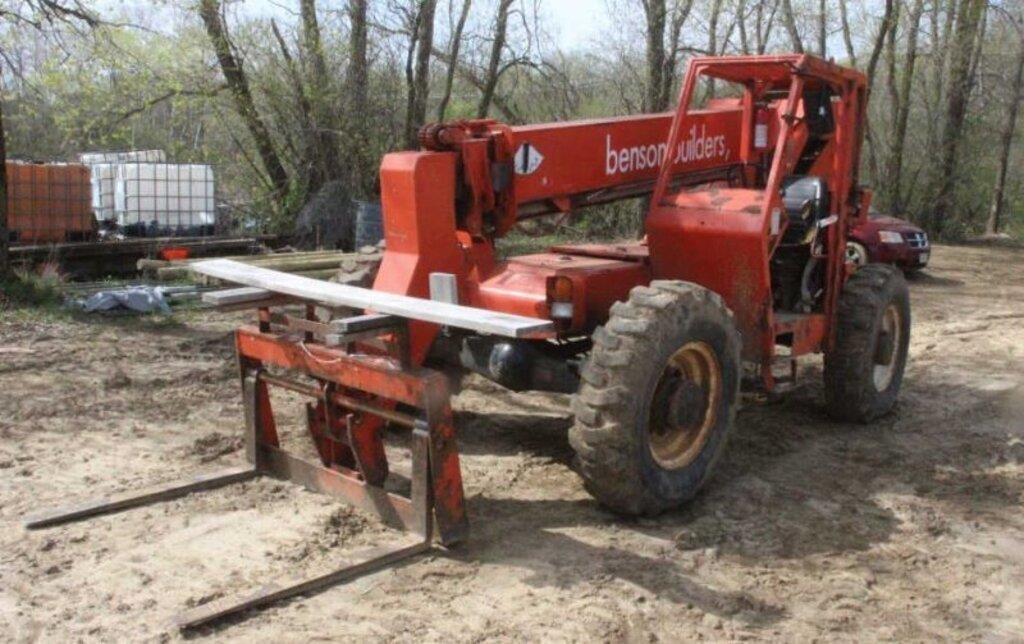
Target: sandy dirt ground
x=909 y=529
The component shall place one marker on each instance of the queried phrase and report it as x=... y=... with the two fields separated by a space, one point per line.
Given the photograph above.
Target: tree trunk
x=822 y=29
x=357 y=76
x=876 y=53
x=508 y=110
x=715 y=14
x=940 y=64
x=995 y=211
x=958 y=97
x=494 y=63
x=327 y=162
x=790 y=20
x=238 y=83
x=844 y=18
x=901 y=109
x=741 y=17
x=302 y=99
x=5 y=236
x=655 y=14
x=764 y=26
x=418 y=72
x=456 y=45
x=356 y=142
x=680 y=13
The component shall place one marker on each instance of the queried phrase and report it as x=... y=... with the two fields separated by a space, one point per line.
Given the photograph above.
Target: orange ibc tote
x=49 y=202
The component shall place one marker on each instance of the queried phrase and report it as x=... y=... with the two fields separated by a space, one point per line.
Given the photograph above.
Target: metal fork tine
x=128 y=500
x=370 y=560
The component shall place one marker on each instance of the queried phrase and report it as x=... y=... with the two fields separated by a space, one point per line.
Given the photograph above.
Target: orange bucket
x=172 y=253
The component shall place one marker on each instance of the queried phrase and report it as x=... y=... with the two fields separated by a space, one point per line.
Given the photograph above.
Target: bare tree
x=823 y=29
x=494 y=68
x=763 y=24
x=884 y=26
x=713 y=16
x=1016 y=94
x=306 y=118
x=662 y=59
x=900 y=97
x=789 y=18
x=741 y=19
x=681 y=10
x=655 y=14
x=417 y=69
x=844 y=20
x=5 y=235
x=38 y=14
x=453 y=49
x=326 y=164
x=238 y=83
x=968 y=21
x=509 y=111
x=357 y=92
x=358 y=74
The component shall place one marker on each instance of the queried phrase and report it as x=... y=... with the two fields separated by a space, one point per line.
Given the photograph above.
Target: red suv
x=889 y=240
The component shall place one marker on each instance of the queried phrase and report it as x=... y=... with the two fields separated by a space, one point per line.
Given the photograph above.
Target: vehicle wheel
x=864 y=369
x=656 y=398
x=856 y=253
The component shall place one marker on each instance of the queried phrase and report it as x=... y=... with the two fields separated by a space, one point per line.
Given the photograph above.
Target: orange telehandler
x=752 y=189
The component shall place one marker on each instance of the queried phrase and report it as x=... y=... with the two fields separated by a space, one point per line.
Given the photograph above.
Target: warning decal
x=527 y=159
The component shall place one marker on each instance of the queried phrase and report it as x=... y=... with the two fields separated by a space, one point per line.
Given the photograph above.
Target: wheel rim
x=887 y=347
x=685 y=405
x=856 y=253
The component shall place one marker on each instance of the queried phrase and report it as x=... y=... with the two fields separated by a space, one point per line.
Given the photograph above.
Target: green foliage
x=160 y=87
x=21 y=290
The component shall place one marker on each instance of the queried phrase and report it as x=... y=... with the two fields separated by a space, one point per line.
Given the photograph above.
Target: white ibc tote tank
x=101 y=178
x=148 y=156
x=103 y=172
x=169 y=195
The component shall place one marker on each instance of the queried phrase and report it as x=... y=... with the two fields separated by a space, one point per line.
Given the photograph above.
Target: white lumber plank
x=415 y=308
x=236 y=295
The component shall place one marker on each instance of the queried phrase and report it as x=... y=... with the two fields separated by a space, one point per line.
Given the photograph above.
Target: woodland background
x=286 y=97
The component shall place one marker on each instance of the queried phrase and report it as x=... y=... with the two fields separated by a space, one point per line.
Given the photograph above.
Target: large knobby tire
x=864 y=370
x=657 y=398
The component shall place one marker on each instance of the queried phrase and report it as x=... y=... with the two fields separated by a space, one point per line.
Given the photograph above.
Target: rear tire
x=864 y=369
x=657 y=398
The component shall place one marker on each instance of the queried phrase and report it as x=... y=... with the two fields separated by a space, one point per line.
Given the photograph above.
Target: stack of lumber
x=314 y=264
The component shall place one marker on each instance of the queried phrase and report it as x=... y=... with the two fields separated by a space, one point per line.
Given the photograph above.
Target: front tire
x=657 y=398
x=864 y=370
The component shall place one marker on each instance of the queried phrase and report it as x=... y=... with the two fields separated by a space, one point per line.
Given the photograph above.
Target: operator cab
x=779 y=207
x=806 y=201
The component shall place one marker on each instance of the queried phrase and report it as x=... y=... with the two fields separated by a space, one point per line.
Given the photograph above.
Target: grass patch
x=520 y=244
x=28 y=290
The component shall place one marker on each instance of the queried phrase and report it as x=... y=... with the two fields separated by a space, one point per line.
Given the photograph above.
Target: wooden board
x=236 y=296
x=414 y=308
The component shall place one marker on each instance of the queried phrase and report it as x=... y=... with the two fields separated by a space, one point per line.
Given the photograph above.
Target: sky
x=575 y=22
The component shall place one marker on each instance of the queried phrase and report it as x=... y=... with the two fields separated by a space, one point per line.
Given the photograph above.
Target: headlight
x=890 y=237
